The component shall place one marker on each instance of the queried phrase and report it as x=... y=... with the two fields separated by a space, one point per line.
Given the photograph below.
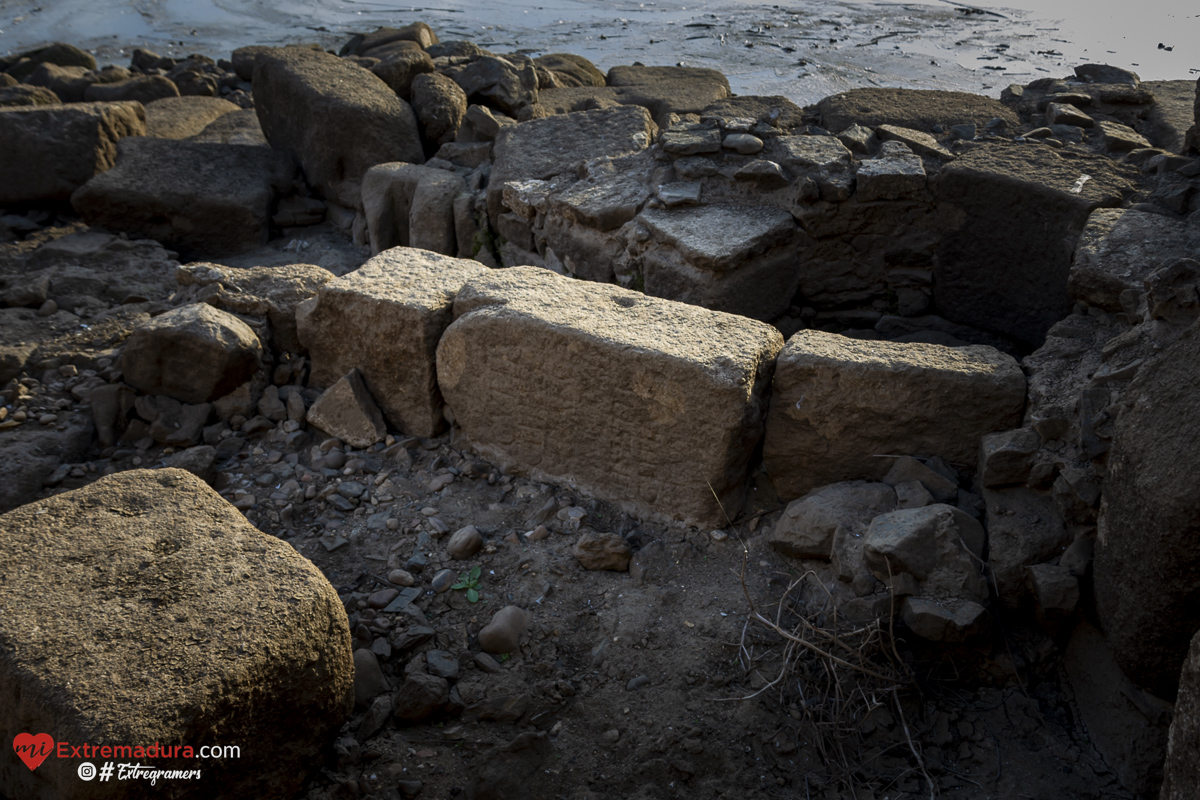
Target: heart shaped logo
x=33 y=750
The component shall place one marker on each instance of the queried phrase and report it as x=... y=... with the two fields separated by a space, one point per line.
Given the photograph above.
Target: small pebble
x=612 y=736
x=440 y=482
x=47 y=308
x=637 y=683
x=381 y=598
x=48 y=419
x=392 y=524
x=443 y=580
x=401 y=577
x=538 y=533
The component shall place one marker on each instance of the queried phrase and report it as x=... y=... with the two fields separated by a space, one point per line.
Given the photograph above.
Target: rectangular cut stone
x=202 y=199
x=838 y=403
x=812 y=151
x=892 y=178
x=639 y=400
x=50 y=151
x=386 y=318
x=737 y=259
x=145 y=609
x=542 y=148
x=1012 y=214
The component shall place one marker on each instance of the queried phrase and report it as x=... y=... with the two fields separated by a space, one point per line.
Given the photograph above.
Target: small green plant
x=503 y=657
x=470 y=582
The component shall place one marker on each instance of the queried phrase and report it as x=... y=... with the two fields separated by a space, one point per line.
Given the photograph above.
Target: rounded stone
x=503 y=633
x=401 y=577
x=464 y=543
x=442 y=581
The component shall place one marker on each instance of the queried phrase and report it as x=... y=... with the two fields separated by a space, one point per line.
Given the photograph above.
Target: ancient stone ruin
x=424 y=420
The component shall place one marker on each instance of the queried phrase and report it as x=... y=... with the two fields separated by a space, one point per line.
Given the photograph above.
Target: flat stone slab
x=719 y=237
x=202 y=199
x=1119 y=249
x=639 y=400
x=812 y=151
x=542 y=148
x=50 y=151
x=184 y=117
x=838 y=403
x=738 y=259
x=145 y=609
x=910 y=108
x=386 y=318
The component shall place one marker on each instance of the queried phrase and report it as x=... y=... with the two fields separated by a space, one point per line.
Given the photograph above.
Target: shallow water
x=804 y=50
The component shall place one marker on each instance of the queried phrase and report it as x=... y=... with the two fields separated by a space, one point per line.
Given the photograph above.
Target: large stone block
x=542 y=148
x=335 y=118
x=911 y=108
x=202 y=199
x=145 y=609
x=639 y=400
x=50 y=151
x=193 y=353
x=386 y=318
x=1012 y=214
x=1118 y=250
x=737 y=259
x=1147 y=567
x=838 y=403
x=409 y=205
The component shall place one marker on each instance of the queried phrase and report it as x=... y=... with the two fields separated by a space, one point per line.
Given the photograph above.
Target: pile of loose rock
x=937 y=348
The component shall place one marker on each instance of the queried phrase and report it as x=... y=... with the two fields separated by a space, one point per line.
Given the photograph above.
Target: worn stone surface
x=807 y=527
x=542 y=148
x=50 y=151
x=308 y=101
x=641 y=385
x=386 y=318
x=204 y=199
x=236 y=127
x=910 y=108
x=1024 y=528
x=938 y=545
x=945 y=620
x=838 y=402
x=347 y=411
x=1005 y=458
x=737 y=259
x=1118 y=250
x=271 y=292
x=1181 y=772
x=500 y=83
x=1147 y=566
x=440 y=105
x=158 y=556
x=184 y=117
x=408 y=205
x=1012 y=214
x=194 y=353
x=891 y=175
